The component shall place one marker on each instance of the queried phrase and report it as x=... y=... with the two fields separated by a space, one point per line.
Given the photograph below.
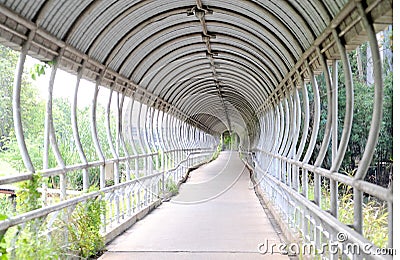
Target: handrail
x=75 y=167
x=351 y=235
x=372 y=189
x=41 y=212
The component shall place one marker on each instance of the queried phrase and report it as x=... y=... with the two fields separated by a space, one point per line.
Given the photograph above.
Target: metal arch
x=60 y=27
x=294 y=20
x=219 y=125
x=317 y=16
x=99 y=15
x=210 y=120
x=346 y=7
x=258 y=31
x=208 y=84
x=94 y=134
x=120 y=135
x=150 y=129
x=212 y=102
x=266 y=64
x=317 y=114
x=328 y=125
x=74 y=123
x=132 y=65
x=279 y=115
x=130 y=132
x=261 y=63
x=128 y=42
x=119 y=24
x=160 y=133
x=273 y=23
x=19 y=132
x=77 y=22
x=170 y=56
x=306 y=119
x=191 y=77
x=108 y=126
x=147 y=114
x=168 y=74
x=348 y=119
x=230 y=30
x=50 y=131
x=378 y=96
x=187 y=75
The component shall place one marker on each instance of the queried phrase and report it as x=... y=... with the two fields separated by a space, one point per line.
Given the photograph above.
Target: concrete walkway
x=215 y=216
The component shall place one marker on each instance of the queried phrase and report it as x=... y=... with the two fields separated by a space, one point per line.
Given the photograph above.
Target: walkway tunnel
x=180 y=74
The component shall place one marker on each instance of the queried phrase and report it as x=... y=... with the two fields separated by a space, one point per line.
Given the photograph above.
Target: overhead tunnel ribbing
x=265 y=42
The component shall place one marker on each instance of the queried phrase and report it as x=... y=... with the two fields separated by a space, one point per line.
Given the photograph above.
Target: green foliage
x=7 y=205
x=33 y=240
x=39 y=69
x=31 y=243
x=3 y=244
x=218 y=151
x=84 y=228
x=227 y=140
x=375 y=214
x=385 y=143
x=28 y=196
x=363 y=108
x=32 y=111
x=8 y=63
x=171 y=186
x=362 y=114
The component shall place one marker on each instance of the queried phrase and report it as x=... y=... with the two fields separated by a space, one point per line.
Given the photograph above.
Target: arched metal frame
x=183 y=73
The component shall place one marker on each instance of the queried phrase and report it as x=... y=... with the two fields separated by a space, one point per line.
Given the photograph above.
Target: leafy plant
x=84 y=228
x=171 y=186
x=3 y=244
x=28 y=196
x=375 y=214
x=39 y=69
x=31 y=241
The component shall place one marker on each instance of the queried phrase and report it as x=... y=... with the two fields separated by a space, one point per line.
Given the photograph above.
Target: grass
x=375 y=214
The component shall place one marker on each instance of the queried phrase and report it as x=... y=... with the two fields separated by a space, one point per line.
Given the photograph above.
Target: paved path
x=215 y=216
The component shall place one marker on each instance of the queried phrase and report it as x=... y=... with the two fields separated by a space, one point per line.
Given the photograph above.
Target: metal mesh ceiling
x=222 y=58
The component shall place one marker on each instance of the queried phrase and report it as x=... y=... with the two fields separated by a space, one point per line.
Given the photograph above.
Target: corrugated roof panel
x=26 y=8
x=256 y=30
x=62 y=15
x=315 y=24
x=148 y=59
x=256 y=45
x=97 y=20
x=131 y=21
x=333 y=6
x=151 y=29
x=270 y=22
x=272 y=59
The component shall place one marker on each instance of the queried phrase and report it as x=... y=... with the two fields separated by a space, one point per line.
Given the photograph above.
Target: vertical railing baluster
x=376 y=120
x=75 y=131
x=95 y=140
x=114 y=153
x=314 y=134
x=18 y=127
x=334 y=197
x=49 y=123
